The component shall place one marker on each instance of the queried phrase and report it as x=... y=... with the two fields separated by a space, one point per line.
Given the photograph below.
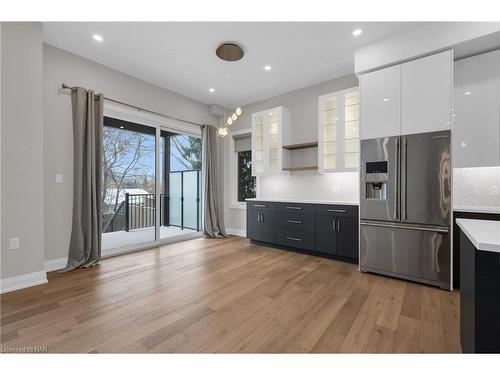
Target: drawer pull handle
x=294 y=221
x=293 y=208
x=333 y=210
x=294 y=239
x=260 y=205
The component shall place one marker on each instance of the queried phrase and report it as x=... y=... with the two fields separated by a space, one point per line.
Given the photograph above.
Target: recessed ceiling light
x=467 y=93
x=386 y=99
x=98 y=38
x=357 y=32
x=121 y=127
x=267 y=67
x=211 y=89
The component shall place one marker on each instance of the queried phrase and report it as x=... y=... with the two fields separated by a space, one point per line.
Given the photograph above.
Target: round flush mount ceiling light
x=357 y=32
x=229 y=52
x=267 y=68
x=97 y=38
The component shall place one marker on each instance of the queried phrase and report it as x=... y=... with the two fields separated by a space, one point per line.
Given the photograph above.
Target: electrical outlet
x=335 y=188
x=59 y=178
x=494 y=191
x=14 y=243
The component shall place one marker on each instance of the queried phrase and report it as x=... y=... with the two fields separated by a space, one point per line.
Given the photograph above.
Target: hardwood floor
x=229 y=295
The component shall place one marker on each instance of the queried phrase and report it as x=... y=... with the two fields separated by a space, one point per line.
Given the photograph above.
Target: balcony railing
x=181 y=207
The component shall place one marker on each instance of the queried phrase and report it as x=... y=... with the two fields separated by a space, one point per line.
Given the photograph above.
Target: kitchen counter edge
x=305 y=201
x=484 y=234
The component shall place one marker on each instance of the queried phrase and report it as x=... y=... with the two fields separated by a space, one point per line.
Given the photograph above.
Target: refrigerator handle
x=404 y=179
x=396 y=180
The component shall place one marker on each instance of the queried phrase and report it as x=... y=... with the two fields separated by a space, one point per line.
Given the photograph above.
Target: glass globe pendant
x=238 y=111
x=222 y=132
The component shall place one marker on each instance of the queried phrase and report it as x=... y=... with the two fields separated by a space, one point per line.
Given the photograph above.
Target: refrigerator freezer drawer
x=407 y=252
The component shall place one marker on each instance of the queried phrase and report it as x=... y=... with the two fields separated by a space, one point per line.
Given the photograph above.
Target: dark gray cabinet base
x=479 y=299
x=323 y=230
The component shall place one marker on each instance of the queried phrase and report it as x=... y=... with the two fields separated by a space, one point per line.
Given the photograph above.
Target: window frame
x=238 y=177
x=233 y=170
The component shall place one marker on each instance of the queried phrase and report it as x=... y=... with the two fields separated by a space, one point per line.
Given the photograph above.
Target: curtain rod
x=64 y=86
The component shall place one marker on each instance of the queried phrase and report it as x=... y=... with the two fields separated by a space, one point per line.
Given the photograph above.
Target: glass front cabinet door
x=269 y=134
x=258 y=144
x=338 y=131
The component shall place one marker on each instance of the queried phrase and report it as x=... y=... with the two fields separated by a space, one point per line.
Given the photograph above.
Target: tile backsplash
x=476 y=187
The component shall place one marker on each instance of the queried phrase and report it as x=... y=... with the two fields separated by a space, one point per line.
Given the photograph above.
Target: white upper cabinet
x=476 y=125
x=410 y=98
x=338 y=131
x=381 y=103
x=269 y=134
x=426 y=90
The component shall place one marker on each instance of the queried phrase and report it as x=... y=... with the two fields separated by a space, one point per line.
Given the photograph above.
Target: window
x=246 y=182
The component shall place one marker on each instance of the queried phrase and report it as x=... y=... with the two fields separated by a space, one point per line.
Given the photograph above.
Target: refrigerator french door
x=405 y=207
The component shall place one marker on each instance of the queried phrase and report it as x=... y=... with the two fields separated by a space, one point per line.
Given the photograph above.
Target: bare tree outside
x=128 y=162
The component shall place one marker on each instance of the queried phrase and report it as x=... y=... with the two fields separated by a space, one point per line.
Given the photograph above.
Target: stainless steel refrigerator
x=405 y=207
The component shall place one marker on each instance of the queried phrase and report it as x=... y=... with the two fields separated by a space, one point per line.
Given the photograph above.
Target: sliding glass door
x=181 y=184
x=138 y=207
x=128 y=184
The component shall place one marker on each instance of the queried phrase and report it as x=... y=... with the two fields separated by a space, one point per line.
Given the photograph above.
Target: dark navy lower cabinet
x=479 y=299
x=323 y=229
x=326 y=234
x=260 y=225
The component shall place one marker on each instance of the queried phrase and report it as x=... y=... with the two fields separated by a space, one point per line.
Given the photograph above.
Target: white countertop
x=484 y=234
x=480 y=209
x=311 y=201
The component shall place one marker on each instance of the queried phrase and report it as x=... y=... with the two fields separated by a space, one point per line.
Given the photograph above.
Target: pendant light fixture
x=222 y=131
x=229 y=52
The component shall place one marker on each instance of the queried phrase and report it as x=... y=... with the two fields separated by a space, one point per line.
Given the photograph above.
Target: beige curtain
x=213 y=222
x=85 y=243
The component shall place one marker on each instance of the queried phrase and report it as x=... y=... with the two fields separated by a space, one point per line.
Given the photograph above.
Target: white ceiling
x=181 y=56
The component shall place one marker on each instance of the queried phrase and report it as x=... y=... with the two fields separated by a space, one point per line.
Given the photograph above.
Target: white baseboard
x=237 y=232
x=22 y=281
x=55 y=264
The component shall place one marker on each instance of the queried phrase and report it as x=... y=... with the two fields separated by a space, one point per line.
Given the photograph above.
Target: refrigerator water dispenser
x=376 y=177
x=376 y=190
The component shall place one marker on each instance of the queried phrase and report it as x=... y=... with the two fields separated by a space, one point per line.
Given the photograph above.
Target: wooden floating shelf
x=299 y=146
x=297 y=169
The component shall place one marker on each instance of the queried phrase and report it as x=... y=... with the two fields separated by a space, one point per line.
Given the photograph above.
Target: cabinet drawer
x=295 y=221
x=255 y=205
x=328 y=210
x=296 y=207
x=298 y=239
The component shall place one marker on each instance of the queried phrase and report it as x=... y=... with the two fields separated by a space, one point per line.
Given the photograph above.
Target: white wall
x=418 y=41
x=22 y=149
x=61 y=66
x=303 y=106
